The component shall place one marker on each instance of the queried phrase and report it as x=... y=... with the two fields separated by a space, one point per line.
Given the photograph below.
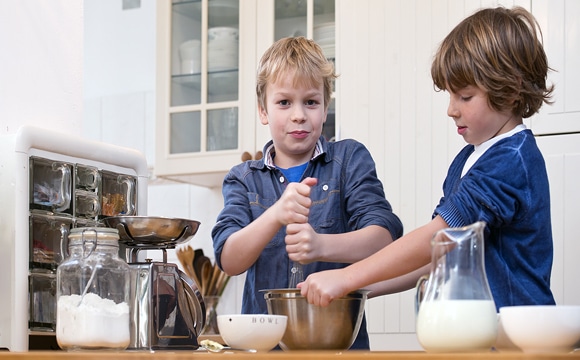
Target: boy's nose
x=452 y=111
x=298 y=114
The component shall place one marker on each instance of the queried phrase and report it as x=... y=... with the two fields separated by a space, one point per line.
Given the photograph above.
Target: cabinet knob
x=258 y=155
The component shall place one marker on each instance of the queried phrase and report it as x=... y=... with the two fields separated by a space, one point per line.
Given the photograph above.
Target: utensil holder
x=211 y=326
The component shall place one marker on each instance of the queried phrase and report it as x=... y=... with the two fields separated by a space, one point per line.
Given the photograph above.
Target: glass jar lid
x=102 y=235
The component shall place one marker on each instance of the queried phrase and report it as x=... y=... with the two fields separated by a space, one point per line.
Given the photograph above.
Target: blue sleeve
x=492 y=190
x=234 y=215
x=364 y=197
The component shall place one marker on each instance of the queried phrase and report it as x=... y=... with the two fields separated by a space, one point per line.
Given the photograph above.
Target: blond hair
x=499 y=50
x=298 y=56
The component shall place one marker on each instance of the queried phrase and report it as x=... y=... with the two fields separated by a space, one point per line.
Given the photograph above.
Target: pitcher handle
x=420 y=291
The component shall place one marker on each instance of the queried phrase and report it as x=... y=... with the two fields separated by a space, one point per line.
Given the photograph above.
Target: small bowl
x=542 y=328
x=258 y=332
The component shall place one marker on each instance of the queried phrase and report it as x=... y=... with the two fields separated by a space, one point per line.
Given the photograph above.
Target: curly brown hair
x=298 y=56
x=499 y=50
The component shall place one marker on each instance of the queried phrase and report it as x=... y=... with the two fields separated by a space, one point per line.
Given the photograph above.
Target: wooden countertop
x=278 y=355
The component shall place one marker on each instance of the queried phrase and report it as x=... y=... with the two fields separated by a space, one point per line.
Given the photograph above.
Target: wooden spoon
x=186 y=255
x=212 y=286
x=206 y=271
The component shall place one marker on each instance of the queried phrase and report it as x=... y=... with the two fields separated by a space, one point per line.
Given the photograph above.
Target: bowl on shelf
x=223 y=32
x=323 y=31
x=542 y=328
x=310 y=327
x=260 y=332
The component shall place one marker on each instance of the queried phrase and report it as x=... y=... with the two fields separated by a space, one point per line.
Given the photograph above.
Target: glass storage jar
x=93 y=292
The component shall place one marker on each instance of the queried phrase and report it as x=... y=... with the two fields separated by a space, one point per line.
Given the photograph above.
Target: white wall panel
x=562 y=155
x=42 y=65
x=560 y=22
x=388 y=103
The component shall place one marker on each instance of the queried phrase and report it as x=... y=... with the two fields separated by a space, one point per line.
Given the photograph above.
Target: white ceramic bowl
x=542 y=328
x=223 y=32
x=503 y=342
x=323 y=31
x=252 y=331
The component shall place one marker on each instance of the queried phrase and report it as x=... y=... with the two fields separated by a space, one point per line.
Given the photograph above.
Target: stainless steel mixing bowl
x=310 y=327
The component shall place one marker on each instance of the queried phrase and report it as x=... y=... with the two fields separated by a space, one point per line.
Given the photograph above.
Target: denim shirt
x=507 y=187
x=347 y=197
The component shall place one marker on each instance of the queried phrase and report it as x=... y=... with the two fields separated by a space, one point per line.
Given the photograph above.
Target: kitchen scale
x=167 y=308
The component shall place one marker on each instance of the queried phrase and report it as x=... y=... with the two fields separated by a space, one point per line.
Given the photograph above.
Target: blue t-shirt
x=293 y=174
x=347 y=197
x=507 y=187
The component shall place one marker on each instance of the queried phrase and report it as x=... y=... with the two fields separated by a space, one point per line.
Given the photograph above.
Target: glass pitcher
x=456 y=311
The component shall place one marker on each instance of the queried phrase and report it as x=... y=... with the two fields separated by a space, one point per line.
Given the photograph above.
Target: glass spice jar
x=93 y=292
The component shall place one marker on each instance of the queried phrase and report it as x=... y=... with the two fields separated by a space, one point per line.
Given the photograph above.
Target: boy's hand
x=294 y=204
x=301 y=243
x=322 y=287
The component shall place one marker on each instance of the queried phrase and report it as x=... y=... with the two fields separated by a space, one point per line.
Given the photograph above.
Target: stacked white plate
x=324 y=36
x=222 y=48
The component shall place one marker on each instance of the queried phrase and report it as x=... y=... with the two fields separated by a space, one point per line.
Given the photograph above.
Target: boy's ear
x=263 y=115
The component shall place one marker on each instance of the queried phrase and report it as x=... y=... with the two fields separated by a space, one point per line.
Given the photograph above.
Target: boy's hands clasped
x=293 y=211
x=296 y=203
x=294 y=208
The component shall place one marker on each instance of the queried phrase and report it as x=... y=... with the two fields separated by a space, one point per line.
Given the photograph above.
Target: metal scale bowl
x=167 y=308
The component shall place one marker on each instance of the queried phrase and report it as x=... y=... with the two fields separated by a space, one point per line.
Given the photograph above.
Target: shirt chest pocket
x=326 y=212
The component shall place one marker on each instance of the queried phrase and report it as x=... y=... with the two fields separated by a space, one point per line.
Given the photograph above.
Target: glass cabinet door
x=204 y=76
x=313 y=19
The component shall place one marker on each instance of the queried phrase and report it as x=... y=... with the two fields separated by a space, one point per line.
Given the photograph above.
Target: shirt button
x=325 y=187
x=281 y=179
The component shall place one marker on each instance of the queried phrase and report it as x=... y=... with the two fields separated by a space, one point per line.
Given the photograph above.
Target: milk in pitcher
x=457 y=325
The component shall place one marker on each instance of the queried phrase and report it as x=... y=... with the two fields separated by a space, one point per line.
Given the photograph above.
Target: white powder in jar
x=95 y=323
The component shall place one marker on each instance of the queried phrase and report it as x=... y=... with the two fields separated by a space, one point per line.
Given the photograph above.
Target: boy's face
x=295 y=114
x=476 y=121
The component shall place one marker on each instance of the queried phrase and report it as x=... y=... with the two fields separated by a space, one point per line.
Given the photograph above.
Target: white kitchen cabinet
x=206 y=113
x=560 y=23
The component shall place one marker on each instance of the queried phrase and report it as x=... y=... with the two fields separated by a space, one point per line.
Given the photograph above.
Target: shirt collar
x=487 y=144
x=270 y=152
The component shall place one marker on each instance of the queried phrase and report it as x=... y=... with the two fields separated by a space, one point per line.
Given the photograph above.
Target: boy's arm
x=403 y=256
x=398 y=284
x=243 y=247
x=353 y=246
x=303 y=244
